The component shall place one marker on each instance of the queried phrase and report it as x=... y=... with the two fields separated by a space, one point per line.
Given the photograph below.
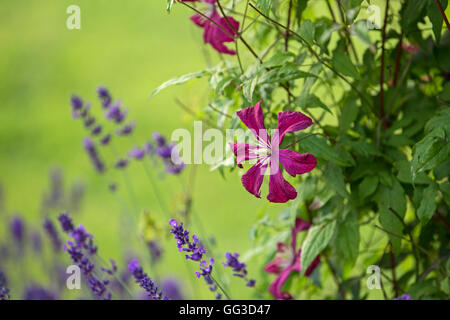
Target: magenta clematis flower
x=287 y=260
x=213 y=34
x=268 y=154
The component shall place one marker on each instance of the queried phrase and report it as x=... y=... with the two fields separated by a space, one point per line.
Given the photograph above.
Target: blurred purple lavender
x=76 y=197
x=18 y=231
x=155 y=251
x=51 y=231
x=93 y=155
x=4 y=290
x=239 y=269
x=172 y=288
x=36 y=241
x=169 y=154
x=145 y=282
x=35 y=292
x=403 y=297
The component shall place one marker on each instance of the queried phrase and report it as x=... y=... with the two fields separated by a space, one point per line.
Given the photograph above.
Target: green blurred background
x=130 y=47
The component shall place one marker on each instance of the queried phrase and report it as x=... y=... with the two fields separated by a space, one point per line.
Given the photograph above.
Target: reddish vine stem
x=383 y=40
x=438 y=3
x=397 y=59
x=442 y=219
x=394 y=275
x=286 y=33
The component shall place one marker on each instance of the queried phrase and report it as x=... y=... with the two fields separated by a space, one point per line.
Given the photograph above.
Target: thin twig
x=383 y=40
x=438 y=3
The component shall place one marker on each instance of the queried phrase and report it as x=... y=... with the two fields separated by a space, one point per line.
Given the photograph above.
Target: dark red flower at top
x=217 y=30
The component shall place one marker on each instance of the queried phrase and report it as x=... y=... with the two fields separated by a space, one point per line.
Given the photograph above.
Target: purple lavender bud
x=18 y=229
x=164 y=152
x=76 y=102
x=113 y=112
x=97 y=130
x=4 y=290
x=121 y=163
x=126 y=129
x=51 y=231
x=105 y=139
x=148 y=148
x=66 y=222
x=160 y=140
x=104 y=95
x=89 y=122
x=145 y=282
x=88 y=144
x=136 y=153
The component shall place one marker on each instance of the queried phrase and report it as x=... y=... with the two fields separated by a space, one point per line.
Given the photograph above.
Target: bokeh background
x=131 y=47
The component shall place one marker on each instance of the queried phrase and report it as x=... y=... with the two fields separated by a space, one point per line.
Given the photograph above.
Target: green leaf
x=287 y=72
x=319 y=147
x=317 y=240
x=279 y=59
x=445 y=189
x=436 y=18
x=307 y=31
x=405 y=176
x=347 y=239
x=428 y=153
x=249 y=88
x=301 y=6
x=428 y=203
x=348 y=115
x=368 y=186
x=264 y=5
x=342 y=63
x=392 y=208
x=311 y=101
x=335 y=179
x=179 y=80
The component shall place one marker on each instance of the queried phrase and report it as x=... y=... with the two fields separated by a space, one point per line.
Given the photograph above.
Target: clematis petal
x=291 y=121
x=199 y=20
x=274 y=266
x=280 y=191
x=215 y=35
x=301 y=225
x=254 y=177
x=253 y=118
x=297 y=163
x=279 y=263
x=276 y=287
x=244 y=152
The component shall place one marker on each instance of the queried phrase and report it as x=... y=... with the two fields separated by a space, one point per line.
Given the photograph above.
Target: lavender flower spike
x=196 y=251
x=239 y=269
x=145 y=282
x=4 y=290
x=93 y=155
x=51 y=231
